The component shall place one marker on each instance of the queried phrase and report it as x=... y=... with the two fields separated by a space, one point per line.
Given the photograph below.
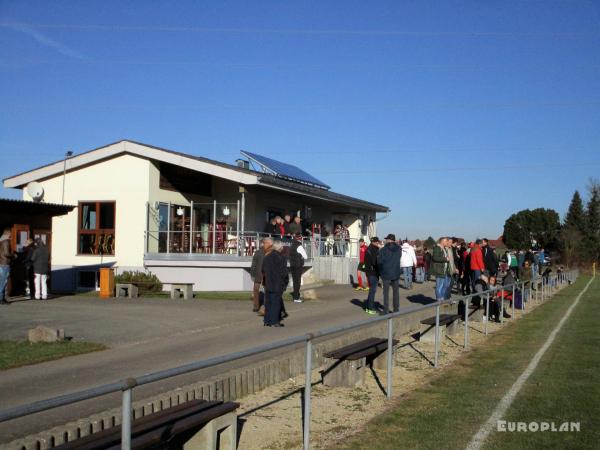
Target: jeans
x=407 y=277
x=475 y=275
x=449 y=284
x=41 y=286
x=373 y=280
x=273 y=301
x=4 y=274
x=443 y=287
x=395 y=284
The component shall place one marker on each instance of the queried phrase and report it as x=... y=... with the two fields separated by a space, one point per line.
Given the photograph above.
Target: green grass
x=448 y=411
x=22 y=353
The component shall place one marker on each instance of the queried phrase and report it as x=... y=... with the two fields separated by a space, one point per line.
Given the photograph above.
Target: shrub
x=148 y=282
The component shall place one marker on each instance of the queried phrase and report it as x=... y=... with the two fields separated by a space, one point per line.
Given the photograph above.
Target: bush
x=148 y=282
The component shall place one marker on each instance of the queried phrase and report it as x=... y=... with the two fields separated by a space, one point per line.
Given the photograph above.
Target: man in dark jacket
x=275 y=272
x=440 y=268
x=297 y=256
x=490 y=260
x=372 y=271
x=40 y=259
x=256 y=271
x=388 y=262
x=5 y=259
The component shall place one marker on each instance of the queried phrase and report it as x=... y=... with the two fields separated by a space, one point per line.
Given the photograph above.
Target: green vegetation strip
x=22 y=353
x=449 y=410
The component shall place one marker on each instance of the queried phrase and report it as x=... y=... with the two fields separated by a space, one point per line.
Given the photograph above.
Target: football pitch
x=556 y=406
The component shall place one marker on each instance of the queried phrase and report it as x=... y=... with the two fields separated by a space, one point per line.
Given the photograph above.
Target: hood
x=392 y=246
x=406 y=246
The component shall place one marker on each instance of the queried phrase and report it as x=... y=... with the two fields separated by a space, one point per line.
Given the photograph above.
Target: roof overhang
x=16 y=207
x=128 y=147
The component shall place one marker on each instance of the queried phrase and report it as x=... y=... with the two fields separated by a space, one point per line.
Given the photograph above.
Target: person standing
x=408 y=260
x=297 y=257
x=465 y=264
x=372 y=271
x=440 y=268
x=427 y=263
x=276 y=280
x=296 y=226
x=388 y=261
x=490 y=260
x=360 y=270
x=40 y=259
x=28 y=266
x=477 y=265
x=256 y=271
x=449 y=245
x=5 y=259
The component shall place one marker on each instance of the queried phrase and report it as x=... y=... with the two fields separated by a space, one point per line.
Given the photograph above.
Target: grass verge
x=22 y=353
x=449 y=410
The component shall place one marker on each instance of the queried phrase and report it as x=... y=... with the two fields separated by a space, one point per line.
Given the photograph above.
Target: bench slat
x=360 y=349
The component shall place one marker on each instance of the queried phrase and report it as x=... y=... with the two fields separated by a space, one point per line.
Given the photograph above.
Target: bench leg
x=453 y=328
x=221 y=431
x=122 y=292
x=427 y=333
x=174 y=292
x=379 y=362
x=345 y=373
x=133 y=292
x=188 y=292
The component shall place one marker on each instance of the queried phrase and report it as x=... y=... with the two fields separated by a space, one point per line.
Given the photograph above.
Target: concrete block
x=427 y=333
x=345 y=373
x=45 y=334
x=226 y=396
x=476 y=315
x=454 y=328
x=219 y=433
x=310 y=294
x=126 y=290
x=239 y=378
x=379 y=362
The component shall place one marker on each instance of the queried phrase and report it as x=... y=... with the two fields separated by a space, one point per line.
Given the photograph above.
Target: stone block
x=310 y=294
x=345 y=373
x=126 y=290
x=45 y=334
x=476 y=315
x=427 y=333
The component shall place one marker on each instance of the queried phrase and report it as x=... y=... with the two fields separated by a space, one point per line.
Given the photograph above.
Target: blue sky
x=453 y=113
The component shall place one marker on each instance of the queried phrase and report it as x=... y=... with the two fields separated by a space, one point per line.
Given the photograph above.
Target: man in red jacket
x=477 y=264
x=362 y=249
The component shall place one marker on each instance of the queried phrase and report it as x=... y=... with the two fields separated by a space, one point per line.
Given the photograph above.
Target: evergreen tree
x=576 y=216
x=592 y=232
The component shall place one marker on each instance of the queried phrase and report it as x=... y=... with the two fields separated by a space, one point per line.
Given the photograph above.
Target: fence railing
x=241 y=243
x=542 y=286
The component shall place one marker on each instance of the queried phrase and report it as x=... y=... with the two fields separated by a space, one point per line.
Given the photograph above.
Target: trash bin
x=107 y=282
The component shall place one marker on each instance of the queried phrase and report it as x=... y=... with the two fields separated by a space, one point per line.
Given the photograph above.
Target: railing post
x=543 y=290
x=191 y=225
x=437 y=335
x=214 y=242
x=513 y=302
x=307 y=389
x=502 y=306
x=169 y=228
x=523 y=296
x=126 y=414
x=390 y=355
x=487 y=312
x=466 y=342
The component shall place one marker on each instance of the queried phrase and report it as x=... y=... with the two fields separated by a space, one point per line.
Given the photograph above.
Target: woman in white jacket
x=408 y=260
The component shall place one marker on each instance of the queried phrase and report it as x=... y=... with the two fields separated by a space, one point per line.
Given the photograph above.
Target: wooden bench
x=193 y=425
x=449 y=324
x=348 y=370
x=182 y=289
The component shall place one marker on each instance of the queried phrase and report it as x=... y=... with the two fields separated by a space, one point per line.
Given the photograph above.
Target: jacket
x=5 y=254
x=477 y=258
x=388 y=261
x=275 y=270
x=296 y=258
x=370 y=261
x=295 y=228
x=439 y=262
x=256 y=267
x=40 y=259
x=490 y=260
x=408 y=257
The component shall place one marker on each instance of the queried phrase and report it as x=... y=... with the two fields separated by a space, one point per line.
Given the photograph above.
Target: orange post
x=107 y=282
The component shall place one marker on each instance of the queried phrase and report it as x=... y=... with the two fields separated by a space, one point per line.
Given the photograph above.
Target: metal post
x=243 y=218
x=523 y=296
x=169 y=228
x=390 y=353
x=466 y=342
x=214 y=242
x=543 y=291
x=147 y=235
x=126 y=420
x=513 y=302
x=437 y=335
x=237 y=228
x=502 y=306
x=191 y=224
x=307 y=389
x=487 y=311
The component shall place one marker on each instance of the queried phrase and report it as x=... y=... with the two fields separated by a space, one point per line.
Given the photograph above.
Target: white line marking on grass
x=478 y=440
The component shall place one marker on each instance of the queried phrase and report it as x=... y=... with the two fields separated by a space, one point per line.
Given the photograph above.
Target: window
x=96 y=234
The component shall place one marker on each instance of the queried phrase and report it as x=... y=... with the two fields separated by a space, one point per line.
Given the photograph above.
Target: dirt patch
x=272 y=419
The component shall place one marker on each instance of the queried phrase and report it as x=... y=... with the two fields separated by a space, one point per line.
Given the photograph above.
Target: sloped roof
x=9 y=205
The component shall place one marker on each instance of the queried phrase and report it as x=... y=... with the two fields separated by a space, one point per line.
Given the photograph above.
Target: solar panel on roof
x=283 y=170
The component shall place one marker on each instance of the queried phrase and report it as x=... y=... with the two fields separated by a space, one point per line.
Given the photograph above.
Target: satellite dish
x=35 y=191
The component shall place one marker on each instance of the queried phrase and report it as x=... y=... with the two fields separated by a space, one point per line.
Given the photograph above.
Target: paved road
x=146 y=335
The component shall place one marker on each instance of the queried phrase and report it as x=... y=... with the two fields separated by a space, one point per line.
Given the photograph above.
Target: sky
x=455 y=114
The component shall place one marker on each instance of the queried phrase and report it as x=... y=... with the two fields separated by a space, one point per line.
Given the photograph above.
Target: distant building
x=183 y=217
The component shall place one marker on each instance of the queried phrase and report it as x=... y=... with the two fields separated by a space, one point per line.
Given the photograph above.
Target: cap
x=374 y=239
x=391 y=237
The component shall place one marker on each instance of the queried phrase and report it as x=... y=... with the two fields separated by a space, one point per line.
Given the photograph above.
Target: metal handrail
x=126 y=386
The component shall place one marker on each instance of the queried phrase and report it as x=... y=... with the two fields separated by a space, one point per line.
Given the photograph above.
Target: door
x=18 y=278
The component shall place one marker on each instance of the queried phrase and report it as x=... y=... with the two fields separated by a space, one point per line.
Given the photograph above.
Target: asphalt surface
x=147 y=335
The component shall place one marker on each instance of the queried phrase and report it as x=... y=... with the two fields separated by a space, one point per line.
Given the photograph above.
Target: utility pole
x=67 y=156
